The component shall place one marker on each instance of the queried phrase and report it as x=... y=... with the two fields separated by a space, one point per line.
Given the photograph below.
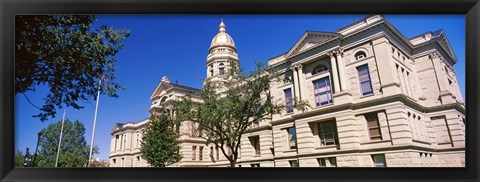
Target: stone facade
x=378 y=99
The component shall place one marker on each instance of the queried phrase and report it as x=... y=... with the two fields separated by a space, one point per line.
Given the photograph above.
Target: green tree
x=68 y=56
x=160 y=141
x=19 y=159
x=74 y=150
x=230 y=107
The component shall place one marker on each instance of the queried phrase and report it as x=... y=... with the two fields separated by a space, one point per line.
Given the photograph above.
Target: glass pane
x=372 y=124
x=374 y=132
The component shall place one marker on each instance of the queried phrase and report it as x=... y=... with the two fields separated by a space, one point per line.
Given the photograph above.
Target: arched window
x=221 y=69
x=163 y=99
x=360 y=55
x=319 y=68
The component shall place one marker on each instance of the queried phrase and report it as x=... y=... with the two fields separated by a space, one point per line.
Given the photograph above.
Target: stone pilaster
x=341 y=70
x=400 y=129
x=296 y=88
x=445 y=94
x=302 y=85
x=386 y=67
x=348 y=134
x=333 y=63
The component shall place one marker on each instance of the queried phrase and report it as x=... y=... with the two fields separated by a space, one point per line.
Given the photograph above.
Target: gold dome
x=222 y=38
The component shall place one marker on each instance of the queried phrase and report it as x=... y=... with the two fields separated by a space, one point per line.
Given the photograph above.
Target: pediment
x=443 y=40
x=117 y=127
x=309 y=40
x=161 y=88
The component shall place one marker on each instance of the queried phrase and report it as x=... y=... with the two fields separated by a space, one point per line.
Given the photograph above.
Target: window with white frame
x=255 y=141
x=373 y=126
x=360 y=55
x=322 y=91
x=365 y=81
x=319 y=68
x=292 y=138
x=221 y=69
x=194 y=153
x=327 y=162
x=288 y=100
x=379 y=160
x=327 y=131
x=200 y=153
x=294 y=163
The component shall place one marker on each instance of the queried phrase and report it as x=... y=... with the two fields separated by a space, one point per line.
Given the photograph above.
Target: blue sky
x=177 y=46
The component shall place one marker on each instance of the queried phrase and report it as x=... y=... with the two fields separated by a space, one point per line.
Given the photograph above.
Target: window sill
x=326 y=147
x=375 y=141
x=290 y=151
x=289 y=113
x=366 y=96
x=325 y=105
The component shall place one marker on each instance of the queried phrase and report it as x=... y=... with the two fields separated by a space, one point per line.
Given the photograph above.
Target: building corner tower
x=222 y=56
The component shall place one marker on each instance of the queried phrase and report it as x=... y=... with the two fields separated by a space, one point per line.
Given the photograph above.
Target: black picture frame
x=8 y=8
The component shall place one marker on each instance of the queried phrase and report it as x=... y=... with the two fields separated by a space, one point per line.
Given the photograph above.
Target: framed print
x=239 y=90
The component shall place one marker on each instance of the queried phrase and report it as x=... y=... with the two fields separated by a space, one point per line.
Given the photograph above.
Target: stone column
x=341 y=69
x=334 y=72
x=302 y=86
x=445 y=94
x=296 y=90
x=386 y=66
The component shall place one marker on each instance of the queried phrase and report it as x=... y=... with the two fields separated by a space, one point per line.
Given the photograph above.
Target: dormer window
x=360 y=55
x=221 y=69
x=318 y=69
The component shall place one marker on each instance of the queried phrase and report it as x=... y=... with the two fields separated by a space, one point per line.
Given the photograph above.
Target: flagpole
x=94 y=123
x=60 y=140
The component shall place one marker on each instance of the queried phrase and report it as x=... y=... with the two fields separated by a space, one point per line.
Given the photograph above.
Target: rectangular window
x=292 y=138
x=321 y=162
x=217 y=149
x=373 y=126
x=327 y=132
x=333 y=161
x=288 y=100
x=200 y=154
x=255 y=165
x=365 y=81
x=327 y=162
x=255 y=141
x=194 y=153
x=379 y=160
x=322 y=91
x=221 y=70
x=294 y=163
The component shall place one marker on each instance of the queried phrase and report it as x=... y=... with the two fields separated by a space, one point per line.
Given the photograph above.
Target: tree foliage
x=160 y=145
x=67 y=55
x=74 y=150
x=231 y=107
x=19 y=160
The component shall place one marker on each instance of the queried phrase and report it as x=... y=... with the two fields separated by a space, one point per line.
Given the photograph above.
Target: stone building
x=378 y=99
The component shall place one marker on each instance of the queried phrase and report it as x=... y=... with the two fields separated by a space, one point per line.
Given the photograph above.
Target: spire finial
x=222 y=27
